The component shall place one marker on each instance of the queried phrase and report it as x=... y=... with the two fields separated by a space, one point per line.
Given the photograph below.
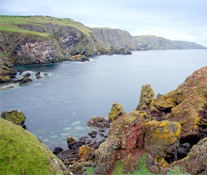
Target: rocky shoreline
x=169 y=130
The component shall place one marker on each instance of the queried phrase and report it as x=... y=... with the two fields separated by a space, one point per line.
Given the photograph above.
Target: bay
x=60 y=104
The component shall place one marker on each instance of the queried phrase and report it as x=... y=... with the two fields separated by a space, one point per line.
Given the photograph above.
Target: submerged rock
x=16 y=116
x=116 y=112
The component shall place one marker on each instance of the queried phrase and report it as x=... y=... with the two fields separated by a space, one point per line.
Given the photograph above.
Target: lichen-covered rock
x=161 y=142
x=196 y=160
x=125 y=134
x=116 y=111
x=16 y=116
x=100 y=122
x=186 y=105
x=5 y=79
x=22 y=153
x=162 y=138
x=72 y=144
x=25 y=81
x=86 y=153
x=146 y=97
x=130 y=164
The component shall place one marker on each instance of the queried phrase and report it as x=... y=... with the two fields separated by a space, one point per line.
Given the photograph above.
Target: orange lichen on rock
x=86 y=152
x=186 y=105
x=116 y=112
x=162 y=137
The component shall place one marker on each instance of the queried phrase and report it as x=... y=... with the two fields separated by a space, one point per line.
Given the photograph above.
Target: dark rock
x=57 y=150
x=72 y=144
x=16 y=81
x=82 y=138
x=101 y=130
x=27 y=75
x=183 y=150
x=81 y=142
x=25 y=81
x=38 y=75
x=20 y=71
x=98 y=122
x=101 y=134
x=92 y=134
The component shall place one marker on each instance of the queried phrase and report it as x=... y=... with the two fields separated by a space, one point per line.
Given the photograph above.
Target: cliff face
x=38 y=39
x=151 y=42
x=116 y=38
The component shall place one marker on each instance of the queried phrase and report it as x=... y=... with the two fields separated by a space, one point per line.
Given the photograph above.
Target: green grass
x=12 y=28
x=40 y=20
x=22 y=153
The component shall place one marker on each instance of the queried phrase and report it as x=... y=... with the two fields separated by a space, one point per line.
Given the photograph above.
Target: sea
x=70 y=93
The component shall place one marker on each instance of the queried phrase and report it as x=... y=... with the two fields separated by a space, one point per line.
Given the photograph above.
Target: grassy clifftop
x=10 y=23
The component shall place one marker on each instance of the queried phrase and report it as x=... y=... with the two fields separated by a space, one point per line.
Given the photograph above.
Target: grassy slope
x=22 y=153
x=9 y=23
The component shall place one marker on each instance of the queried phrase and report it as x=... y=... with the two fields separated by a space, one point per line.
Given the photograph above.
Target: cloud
x=179 y=19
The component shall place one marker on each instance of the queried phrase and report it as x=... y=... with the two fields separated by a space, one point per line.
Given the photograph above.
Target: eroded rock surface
x=125 y=135
x=196 y=160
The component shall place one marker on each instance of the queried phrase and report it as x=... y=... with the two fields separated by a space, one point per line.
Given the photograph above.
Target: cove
x=60 y=104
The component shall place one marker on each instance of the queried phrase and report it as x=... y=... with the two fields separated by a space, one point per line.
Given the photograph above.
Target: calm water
x=60 y=104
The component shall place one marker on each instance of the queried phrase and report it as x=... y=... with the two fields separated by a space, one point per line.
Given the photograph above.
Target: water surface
x=60 y=104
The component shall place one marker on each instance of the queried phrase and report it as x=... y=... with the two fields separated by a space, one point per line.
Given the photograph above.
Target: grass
x=22 y=153
x=13 y=21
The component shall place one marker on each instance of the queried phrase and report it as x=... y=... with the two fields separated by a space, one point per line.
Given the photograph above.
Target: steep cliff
x=151 y=42
x=39 y=39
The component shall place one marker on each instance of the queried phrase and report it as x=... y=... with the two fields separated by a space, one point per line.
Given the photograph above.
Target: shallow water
x=60 y=104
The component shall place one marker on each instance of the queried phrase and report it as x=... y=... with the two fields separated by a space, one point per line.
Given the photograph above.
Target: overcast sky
x=172 y=19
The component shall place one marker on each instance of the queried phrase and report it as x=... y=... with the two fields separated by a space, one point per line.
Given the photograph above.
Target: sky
x=184 y=20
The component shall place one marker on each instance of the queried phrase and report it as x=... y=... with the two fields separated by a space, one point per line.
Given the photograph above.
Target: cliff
x=171 y=129
x=151 y=42
x=39 y=39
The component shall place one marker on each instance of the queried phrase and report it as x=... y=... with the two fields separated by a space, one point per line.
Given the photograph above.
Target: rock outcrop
x=195 y=162
x=126 y=135
x=146 y=98
x=15 y=116
x=22 y=153
x=186 y=105
x=116 y=112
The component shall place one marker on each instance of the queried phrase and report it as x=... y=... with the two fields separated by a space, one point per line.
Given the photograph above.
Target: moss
x=22 y=153
x=15 y=116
